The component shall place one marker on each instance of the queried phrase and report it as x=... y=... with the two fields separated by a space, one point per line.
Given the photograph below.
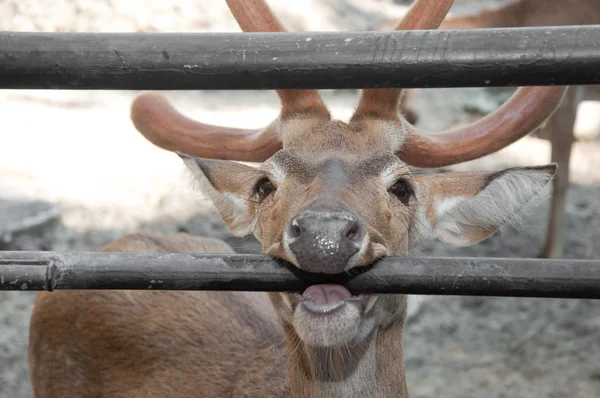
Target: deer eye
x=263 y=188
x=402 y=190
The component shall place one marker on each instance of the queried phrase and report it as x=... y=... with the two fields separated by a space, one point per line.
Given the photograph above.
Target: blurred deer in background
x=560 y=126
x=328 y=197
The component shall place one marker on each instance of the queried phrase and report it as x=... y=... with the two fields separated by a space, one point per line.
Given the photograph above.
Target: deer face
x=345 y=199
x=331 y=196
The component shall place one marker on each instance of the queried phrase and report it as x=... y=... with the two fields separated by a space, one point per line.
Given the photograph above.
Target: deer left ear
x=228 y=184
x=465 y=208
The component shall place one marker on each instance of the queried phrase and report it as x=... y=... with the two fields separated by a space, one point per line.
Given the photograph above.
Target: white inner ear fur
x=503 y=201
x=231 y=207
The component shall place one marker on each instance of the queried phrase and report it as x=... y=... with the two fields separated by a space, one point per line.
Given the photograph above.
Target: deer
x=559 y=128
x=324 y=196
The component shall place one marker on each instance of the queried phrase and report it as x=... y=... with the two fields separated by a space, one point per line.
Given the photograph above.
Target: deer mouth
x=328 y=299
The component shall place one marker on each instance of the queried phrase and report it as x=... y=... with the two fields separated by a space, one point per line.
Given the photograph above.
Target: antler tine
x=254 y=16
x=383 y=103
x=163 y=125
x=257 y=16
x=425 y=14
x=524 y=112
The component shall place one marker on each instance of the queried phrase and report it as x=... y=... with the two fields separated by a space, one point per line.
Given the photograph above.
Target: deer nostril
x=295 y=230
x=354 y=232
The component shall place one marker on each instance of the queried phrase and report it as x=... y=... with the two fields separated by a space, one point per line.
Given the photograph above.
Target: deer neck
x=372 y=368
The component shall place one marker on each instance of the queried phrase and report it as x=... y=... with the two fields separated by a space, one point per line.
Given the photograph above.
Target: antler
x=525 y=111
x=383 y=103
x=165 y=127
x=529 y=107
x=161 y=124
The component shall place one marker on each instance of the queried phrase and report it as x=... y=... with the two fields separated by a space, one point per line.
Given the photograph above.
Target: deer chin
x=329 y=315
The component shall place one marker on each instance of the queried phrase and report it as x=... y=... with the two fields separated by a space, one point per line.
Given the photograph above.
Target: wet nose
x=324 y=242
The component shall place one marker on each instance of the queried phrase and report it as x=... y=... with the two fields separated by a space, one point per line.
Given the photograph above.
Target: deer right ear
x=228 y=184
x=465 y=208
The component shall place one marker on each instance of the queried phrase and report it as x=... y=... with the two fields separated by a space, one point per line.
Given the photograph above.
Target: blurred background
x=75 y=174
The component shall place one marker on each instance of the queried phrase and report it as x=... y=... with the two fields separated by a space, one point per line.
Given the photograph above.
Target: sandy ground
x=79 y=149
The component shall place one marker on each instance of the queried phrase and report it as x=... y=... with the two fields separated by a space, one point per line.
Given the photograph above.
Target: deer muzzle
x=325 y=241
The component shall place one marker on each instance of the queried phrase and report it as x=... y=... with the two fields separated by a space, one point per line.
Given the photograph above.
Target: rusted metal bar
x=565 y=55
x=411 y=275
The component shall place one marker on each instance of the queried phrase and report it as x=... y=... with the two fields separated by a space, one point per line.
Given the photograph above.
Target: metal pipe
x=410 y=275
x=321 y=60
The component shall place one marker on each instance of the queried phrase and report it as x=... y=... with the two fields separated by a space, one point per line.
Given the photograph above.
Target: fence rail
x=411 y=275
x=464 y=58
x=408 y=59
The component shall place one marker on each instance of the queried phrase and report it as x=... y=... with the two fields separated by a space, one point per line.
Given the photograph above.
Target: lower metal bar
x=408 y=275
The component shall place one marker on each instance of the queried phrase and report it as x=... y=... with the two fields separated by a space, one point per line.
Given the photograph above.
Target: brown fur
x=156 y=343
x=530 y=13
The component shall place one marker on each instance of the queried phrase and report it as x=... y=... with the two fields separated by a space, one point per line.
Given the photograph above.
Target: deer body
x=328 y=197
x=530 y=13
x=157 y=343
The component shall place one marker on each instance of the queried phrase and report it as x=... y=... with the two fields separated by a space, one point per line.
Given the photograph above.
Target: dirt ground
x=79 y=150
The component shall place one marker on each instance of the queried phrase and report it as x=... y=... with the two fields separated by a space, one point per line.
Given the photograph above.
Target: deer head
x=330 y=196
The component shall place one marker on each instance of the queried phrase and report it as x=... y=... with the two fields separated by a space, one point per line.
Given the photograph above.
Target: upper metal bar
x=410 y=59
x=411 y=275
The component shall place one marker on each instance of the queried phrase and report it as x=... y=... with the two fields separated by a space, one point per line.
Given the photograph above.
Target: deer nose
x=324 y=242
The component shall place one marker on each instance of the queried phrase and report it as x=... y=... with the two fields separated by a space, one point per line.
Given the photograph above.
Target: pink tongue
x=326 y=294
